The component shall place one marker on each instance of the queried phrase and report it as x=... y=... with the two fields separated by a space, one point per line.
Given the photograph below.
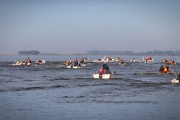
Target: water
x=50 y=91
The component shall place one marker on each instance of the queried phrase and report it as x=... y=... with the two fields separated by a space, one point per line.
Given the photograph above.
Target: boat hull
x=40 y=62
x=75 y=67
x=174 y=81
x=103 y=76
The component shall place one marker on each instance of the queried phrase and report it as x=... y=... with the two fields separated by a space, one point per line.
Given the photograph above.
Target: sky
x=78 y=26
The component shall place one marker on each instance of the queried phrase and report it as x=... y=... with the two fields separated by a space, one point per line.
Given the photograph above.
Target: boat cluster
x=76 y=64
x=104 y=71
x=28 y=62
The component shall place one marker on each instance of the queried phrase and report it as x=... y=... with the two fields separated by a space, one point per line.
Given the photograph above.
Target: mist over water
x=52 y=91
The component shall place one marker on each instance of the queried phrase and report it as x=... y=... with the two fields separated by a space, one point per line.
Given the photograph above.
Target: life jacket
x=165 y=69
x=17 y=62
x=101 y=71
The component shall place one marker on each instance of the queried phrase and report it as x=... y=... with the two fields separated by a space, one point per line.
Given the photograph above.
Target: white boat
x=174 y=81
x=40 y=61
x=17 y=63
x=150 y=61
x=105 y=59
x=103 y=76
x=83 y=65
x=75 y=67
x=69 y=66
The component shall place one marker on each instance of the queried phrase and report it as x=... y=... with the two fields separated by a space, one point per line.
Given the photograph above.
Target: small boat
x=75 y=67
x=148 y=60
x=17 y=63
x=164 y=70
x=109 y=59
x=26 y=64
x=105 y=59
x=103 y=76
x=99 y=60
x=177 y=79
x=164 y=61
x=174 y=81
x=40 y=61
x=122 y=64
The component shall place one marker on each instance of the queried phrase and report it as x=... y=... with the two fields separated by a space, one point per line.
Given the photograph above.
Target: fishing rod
x=175 y=66
x=173 y=55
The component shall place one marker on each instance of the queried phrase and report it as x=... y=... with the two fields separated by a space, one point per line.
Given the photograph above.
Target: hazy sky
x=77 y=26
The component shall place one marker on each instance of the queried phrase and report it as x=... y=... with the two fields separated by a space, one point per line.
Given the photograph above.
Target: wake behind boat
x=104 y=73
x=134 y=60
x=17 y=63
x=40 y=62
x=105 y=59
x=148 y=60
x=77 y=64
x=26 y=62
x=75 y=67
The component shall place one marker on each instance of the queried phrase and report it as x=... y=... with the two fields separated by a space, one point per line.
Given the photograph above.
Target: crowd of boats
x=28 y=62
x=104 y=71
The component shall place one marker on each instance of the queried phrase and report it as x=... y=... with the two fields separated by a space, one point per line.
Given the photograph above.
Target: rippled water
x=51 y=91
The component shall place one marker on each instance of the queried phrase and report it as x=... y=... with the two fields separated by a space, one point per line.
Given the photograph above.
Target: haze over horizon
x=78 y=26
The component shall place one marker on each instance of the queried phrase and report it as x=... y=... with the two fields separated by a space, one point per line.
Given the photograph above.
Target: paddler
x=166 y=69
x=161 y=69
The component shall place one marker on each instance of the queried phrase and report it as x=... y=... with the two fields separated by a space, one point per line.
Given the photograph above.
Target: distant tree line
x=104 y=52
x=30 y=52
x=155 y=52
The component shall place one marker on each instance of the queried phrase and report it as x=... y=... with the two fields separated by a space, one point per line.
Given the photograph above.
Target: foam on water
x=52 y=91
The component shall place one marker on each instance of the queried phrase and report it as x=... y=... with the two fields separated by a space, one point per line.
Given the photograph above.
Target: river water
x=54 y=92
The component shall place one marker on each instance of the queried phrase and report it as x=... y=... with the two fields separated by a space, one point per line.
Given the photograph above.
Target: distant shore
x=86 y=55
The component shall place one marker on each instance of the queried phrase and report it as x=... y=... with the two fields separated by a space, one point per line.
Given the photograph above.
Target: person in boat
x=121 y=61
x=64 y=63
x=166 y=69
x=76 y=62
x=106 y=68
x=171 y=62
x=148 y=58
x=161 y=69
x=17 y=62
x=69 y=62
x=133 y=60
x=40 y=60
x=109 y=59
x=101 y=71
x=118 y=59
x=82 y=60
x=27 y=60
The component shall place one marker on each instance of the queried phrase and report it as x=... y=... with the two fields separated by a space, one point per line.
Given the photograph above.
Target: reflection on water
x=52 y=91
